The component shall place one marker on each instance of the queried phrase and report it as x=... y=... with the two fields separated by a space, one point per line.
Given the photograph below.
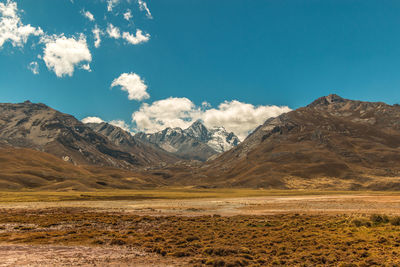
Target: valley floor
x=205 y=227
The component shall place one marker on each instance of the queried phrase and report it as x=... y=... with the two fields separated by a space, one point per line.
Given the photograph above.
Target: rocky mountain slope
x=39 y=127
x=194 y=143
x=126 y=142
x=331 y=143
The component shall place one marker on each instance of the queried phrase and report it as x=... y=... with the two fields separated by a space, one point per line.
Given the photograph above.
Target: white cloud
x=235 y=116
x=88 y=15
x=143 y=7
x=139 y=38
x=111 y=4
x=133 y=84
x=92 y=120
x=128 y=14
x=86 y=67
x=34 y=67
x=121 y=124
x=171 y=112
x=240 y=118
x=113 y=32
x=96 y=34
x=11 y=27
x=62 y=54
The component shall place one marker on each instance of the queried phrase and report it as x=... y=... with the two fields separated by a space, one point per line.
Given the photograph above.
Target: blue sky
x=239 y=56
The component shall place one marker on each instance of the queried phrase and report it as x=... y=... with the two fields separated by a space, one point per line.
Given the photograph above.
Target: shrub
x=395 y=221
x=118 y=242
x=216 y=262
x=361 y=222
x=192 y=238
x=378 y=219
x=180 y=254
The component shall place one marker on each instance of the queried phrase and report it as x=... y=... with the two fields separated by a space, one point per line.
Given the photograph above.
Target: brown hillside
x=23 y=168
x=37 y=126
x=331 y=143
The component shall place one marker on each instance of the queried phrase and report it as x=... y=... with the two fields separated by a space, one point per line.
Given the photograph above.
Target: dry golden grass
x=165 y=193
x=276 y=240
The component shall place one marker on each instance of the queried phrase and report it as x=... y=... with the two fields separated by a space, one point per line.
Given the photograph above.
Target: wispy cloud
x=128 y=15
x=111 y=4
x=96 y=35
x=113 y=32
x=143 y=7
x=34 y=67
x=88 y=15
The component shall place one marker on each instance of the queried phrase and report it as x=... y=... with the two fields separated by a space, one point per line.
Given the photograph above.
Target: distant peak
x=197 y=125
x=27 y=102
x=327 y=100
x=198 y=122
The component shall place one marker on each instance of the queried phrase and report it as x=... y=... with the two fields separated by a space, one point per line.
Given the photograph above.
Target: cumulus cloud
x=113 y=32
x=96 y=34
x=62 y=54
x=143 y=7
x=11 y=27
x=92 y=120
x=171 y=112
x=139 y=38
x=128 y=14
x=240 y=118
x=133 y=84
x=34 y=67
x=88 y=15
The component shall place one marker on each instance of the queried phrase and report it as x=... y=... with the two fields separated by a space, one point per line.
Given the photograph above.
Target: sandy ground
x=26 y=255
x=234 y=206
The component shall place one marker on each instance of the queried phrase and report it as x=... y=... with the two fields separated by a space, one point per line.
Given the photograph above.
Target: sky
x=149 y=64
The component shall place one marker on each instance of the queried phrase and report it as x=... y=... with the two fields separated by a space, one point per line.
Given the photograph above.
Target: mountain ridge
x=332 y=143
x=196 y=142
x=37 y=126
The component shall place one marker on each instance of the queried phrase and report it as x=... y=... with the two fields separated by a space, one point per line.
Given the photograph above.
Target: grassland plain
x=166 y=193
x=284 y=239
x=201 y=228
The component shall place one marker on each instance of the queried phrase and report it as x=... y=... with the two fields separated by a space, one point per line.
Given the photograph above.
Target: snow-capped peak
x=217 y=137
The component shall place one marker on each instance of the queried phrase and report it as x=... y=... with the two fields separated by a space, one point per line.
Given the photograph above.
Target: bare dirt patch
x=333 y=204
x=57 y=255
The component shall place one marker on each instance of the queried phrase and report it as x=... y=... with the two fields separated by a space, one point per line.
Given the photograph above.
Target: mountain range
x=197 y=142
x=333 y=143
